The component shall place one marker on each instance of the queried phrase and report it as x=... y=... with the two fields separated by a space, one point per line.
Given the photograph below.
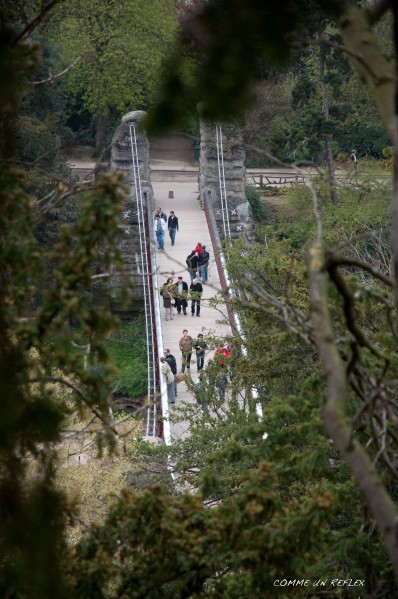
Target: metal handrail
x=224 y=277
x=159 y=338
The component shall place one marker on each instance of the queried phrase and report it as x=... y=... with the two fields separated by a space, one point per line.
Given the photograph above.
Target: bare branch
x=58 y=75
x=335 y=260
x=349 y=310
x=335 y=416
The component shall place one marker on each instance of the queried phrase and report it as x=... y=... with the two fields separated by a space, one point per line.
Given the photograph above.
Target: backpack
x=170 y=377
x=204 y=257
x=172 y=363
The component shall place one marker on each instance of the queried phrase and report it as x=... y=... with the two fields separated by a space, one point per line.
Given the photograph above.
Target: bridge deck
x=171 y=262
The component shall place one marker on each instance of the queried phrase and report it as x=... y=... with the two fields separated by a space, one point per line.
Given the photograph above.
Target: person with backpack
x=169 y=378
x=171 y=361
x=204 y=258
x=193 y=264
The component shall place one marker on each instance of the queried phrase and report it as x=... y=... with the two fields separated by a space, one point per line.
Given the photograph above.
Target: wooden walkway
x=171 y=262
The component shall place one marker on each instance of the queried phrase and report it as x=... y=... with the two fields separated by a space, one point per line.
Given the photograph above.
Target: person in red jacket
x=221 y=354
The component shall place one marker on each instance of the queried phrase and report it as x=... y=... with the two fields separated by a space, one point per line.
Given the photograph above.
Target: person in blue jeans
x=196 y=291
x=201 y=392
x=200 y=347
x=172 y=225
x=204 y=258
x=159 y=228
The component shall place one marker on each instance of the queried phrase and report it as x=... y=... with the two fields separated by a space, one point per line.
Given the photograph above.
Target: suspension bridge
x=158 y=265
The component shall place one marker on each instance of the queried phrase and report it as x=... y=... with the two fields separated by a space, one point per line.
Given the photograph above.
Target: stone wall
x=241 y=222
x=121 y=160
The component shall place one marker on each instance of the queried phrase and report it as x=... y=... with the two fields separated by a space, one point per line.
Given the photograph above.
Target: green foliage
x=127 y=351
x=121 y=45
x=254 y=198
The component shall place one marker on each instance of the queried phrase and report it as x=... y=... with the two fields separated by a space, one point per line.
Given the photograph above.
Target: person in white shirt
x=159 y=227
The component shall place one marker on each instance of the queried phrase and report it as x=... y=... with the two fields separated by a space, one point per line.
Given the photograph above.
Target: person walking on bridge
x=167 y=292
x=163 y=215
x=172 y=225
x=169 y=379
x=200 y=346
x=159 y=228
x=171 y=361
x=185 y=344
x=181 y=294
x=196 y=289
x=193 y=264
x=204 y=258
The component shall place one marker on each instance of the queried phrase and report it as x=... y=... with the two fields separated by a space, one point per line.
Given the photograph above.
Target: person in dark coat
x=172 y=362
x=196 y=290
x=172 y=225
x=163 y=215
x=181 y=294
x=204 y=258
x=167 y=292
x=200 y=347
x=185 y=344
x=193 y=264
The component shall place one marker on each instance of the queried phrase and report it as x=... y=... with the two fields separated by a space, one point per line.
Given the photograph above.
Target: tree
x=36 y=344
x=121 y=46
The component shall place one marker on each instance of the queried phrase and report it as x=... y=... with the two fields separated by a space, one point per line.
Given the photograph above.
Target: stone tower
x=240 y=218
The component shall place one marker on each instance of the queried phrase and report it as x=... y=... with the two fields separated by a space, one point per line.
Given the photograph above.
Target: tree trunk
x=100 y=134
x=328 y=136
x=331 y=171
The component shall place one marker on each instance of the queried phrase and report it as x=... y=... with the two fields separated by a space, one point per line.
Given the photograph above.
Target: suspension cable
x=151 y=422
x=221 y=178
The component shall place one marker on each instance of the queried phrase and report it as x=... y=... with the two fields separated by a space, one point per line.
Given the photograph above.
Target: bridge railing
x=163 y=417
x=226 y=283
x=273 y=179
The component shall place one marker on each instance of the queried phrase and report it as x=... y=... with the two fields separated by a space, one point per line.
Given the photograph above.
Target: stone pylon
x=239 y=213
x=122 y=160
